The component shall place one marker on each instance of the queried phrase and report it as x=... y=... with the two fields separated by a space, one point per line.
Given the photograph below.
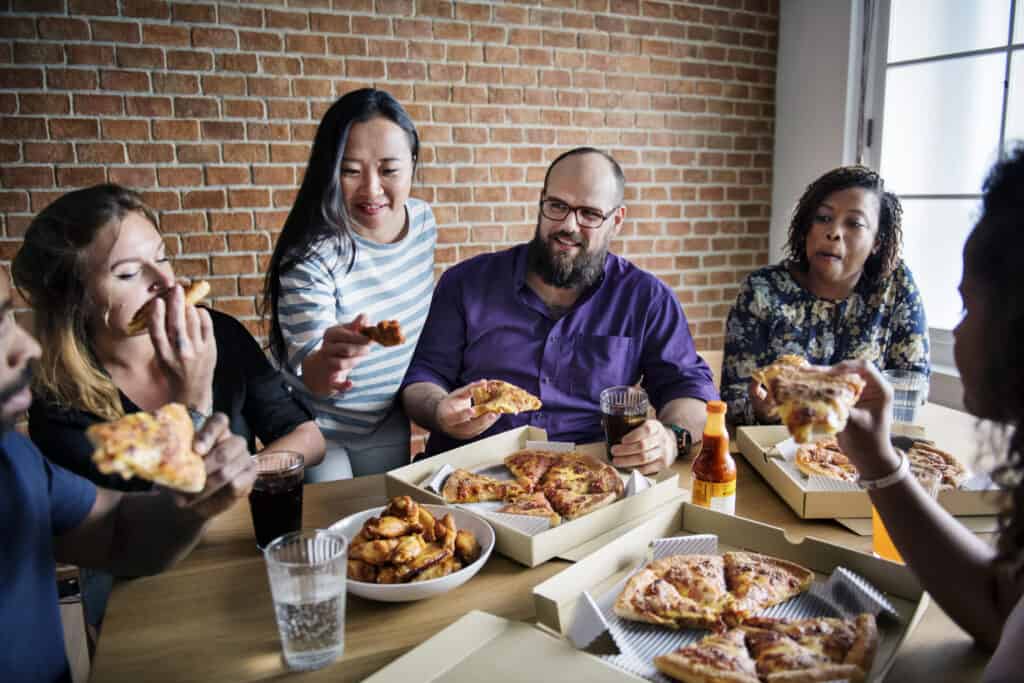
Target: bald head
x=593 y=170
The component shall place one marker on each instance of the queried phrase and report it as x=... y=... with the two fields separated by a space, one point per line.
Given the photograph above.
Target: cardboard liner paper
x=523 y=523
x=844 y=594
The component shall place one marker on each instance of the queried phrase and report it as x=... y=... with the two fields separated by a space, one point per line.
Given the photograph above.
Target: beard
x=7 y=422
x=562 y=270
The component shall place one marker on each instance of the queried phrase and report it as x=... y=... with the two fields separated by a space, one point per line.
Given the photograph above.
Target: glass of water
x=910 y=389
x=307 y=581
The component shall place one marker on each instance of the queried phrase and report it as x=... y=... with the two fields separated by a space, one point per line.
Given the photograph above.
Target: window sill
x=946 y=388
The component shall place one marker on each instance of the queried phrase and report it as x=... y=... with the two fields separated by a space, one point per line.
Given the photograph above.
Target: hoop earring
x=106 y=316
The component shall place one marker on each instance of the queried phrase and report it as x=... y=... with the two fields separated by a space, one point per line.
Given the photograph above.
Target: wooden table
x=211 y=617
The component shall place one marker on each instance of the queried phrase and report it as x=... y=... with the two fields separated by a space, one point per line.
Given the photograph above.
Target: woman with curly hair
x=978 y=586
x=843 y=293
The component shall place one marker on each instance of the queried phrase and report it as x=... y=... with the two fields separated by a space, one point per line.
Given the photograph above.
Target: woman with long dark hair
x=355 y=250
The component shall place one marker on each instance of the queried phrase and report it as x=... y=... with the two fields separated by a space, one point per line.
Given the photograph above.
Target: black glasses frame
x=575 y=209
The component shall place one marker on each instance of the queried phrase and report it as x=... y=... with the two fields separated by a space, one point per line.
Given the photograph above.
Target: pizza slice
x=463 y=486
x=812 y=402
x=194 y=293
x=385 y=333
x=825 y=459
x=571 y=505
x=843 y=641
x=533 y=505
x=496 y=396
x=154 y=446
x=681 y=591
x=952 y=471
x=530 y=465
x=765 y=375
x=760 y=581
x=582 y=473
x=717 y=658
x=780 y=659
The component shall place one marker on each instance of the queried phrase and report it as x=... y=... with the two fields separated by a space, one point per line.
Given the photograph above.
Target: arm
x=306 y=439
x=908 y=346
x=431 y=407
x=966 y=581
x=746 y=348
x=136 y=534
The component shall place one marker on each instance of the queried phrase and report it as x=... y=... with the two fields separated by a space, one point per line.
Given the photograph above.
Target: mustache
x=567 y=236
x=23 y=380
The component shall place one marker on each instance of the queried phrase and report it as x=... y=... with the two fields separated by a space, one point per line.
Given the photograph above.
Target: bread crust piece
x=760 y=581
x=825 y=459
x=463 y=486
x=678 y=591
x=385 y=333
x=530 y=465
x=496 y=396
x=533 y=505
x=718 y=658
x=193 y=295
x=153 y=446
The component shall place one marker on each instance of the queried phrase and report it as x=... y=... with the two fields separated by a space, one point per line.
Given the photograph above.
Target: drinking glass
x=910 y=389
x=307 y=581
x=623 y=409
x=276 y=498
x=881 y=543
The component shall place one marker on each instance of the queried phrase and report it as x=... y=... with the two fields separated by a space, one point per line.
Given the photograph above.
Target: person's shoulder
x=226 y=326
x=623 y=274
x=16 y=444
x=420 y=213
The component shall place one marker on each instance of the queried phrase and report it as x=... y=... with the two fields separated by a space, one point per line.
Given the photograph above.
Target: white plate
x=418 y=590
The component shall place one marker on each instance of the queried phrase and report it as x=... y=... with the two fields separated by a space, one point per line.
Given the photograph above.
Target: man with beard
x=562 y=318
x=48 y=514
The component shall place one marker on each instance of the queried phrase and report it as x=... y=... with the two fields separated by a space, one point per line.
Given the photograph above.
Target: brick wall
x=210 y=108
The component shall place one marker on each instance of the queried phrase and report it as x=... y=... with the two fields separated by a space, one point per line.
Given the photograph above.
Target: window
x=952 y=74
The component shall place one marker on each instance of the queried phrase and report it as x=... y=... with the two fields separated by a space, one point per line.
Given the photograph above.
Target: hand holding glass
x=623 y=409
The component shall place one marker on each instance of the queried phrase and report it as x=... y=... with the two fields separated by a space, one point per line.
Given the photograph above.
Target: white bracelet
x=888 y=480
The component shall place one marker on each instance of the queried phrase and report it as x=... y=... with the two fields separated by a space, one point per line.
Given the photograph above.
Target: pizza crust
x=193 y=295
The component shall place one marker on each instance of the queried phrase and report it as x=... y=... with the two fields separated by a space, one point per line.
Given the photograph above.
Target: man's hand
x=649 y=448
x=325 y=371
x=230 y=469
x=454 y=414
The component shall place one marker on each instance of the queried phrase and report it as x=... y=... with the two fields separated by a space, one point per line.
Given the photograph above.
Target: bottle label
x=719 y=496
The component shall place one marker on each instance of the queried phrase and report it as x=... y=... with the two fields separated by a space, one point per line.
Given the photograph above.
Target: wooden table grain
x=211 y=617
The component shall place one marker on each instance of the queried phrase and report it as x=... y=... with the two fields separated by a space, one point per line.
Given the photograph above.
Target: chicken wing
x=362 y=571
x=440 y=569
x=409 y=548
x=375 y=552
x=389 y=527
x=467 y=549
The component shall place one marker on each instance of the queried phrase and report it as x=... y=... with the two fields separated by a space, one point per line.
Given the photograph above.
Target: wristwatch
x=683 y=438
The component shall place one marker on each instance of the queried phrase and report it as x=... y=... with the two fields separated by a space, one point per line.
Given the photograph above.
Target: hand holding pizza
x=183 y=337
x=230 y=469
x=649 y=448
x=866 y=437
x=764 y=411
x=325 y=371
x=456 y=417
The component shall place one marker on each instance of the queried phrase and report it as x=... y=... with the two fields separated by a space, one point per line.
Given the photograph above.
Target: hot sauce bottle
x=714 y=470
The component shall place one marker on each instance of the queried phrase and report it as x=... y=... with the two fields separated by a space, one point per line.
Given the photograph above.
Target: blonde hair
x=50 y=272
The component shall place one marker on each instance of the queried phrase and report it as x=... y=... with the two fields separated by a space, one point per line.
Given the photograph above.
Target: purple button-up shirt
x=486 y=323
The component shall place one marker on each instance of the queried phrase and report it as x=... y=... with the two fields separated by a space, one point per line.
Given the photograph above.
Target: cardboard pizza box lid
x=532 y=550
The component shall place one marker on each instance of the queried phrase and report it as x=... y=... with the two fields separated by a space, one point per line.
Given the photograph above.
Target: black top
x=246 y=388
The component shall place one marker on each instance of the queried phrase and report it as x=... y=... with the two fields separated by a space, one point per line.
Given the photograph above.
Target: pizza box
x=527 y=549
x=483 y=647
x=757 y=443
x=557 y=600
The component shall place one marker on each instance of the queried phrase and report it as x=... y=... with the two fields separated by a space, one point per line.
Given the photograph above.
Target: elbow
x=314 y=445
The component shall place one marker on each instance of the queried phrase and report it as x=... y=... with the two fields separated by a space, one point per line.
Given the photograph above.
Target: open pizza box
x=766 y=448
x=575 y=603
x=532 y=547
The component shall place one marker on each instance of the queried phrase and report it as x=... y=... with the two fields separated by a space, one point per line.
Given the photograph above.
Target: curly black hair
x=994 y=260
x=883 y=261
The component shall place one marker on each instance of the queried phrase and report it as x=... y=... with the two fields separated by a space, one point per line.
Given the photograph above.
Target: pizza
x=825 y=459
x=385 y=333
x=153 y=446
x=718 y=658
x=581 y=473
x=811 y=401
x=777 y=651
x=463 y=486
x=533 y=505
x=193 y=295
x=571 y=504
x=496 y=396
x=529 y=466
x=952 y=471
x=681 y=591
x=710 y=591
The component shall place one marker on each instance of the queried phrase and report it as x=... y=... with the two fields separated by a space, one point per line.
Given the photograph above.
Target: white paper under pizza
x=634 y=483
x=843 y=594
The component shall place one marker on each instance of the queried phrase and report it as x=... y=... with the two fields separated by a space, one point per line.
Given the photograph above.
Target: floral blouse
x=775 y=315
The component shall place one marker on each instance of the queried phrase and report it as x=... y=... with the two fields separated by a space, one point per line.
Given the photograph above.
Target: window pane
x=925 y=28
x=1015 y=103
x=941 y=129
x=934 y=232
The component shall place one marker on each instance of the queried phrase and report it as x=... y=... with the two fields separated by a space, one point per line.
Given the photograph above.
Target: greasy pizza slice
x=571 y=505
x=681 y=591
x=193 y=295
x=533 y=505
x=463 y=486
x=844 y=641
x=812 y=402
x=952 y=471
x=154 y=446
x=496 y=396
x=780 y=658
x=582 y=473
x=717 y=658
x=760 y=581
x=825 y=459
x=530 y=465
x=765 y=375
x=385 y=333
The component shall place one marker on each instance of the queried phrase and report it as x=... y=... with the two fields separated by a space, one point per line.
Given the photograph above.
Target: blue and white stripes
x=387 y=282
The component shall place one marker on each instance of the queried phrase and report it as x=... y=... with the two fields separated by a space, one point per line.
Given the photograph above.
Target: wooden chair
x=714 y=361
x=76 y=637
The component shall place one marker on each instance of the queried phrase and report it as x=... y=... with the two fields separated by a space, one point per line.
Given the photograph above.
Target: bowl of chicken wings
x=406 y=551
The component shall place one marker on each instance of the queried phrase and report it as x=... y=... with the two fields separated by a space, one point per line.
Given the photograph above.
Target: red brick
x=80 y=176
x=272 y=87
x=198 y=154
x=195 y=107
x=260 y=41
x=371 y=26
x=245 y=153
x=329 y=23
x=189 y=60
x=140 y=57
x=24 y=27
x=175 y=130
x=204 y=14
x=244 y=109
x=149 y=9
x=132 y=176
x=292 y=20
x=178 y=83
x=99 y=104
x=121 y=80
x=161 y=34
x=226 y=175
x=203 y=244
x=31 y=103
x=248 y=198
x=223 y=85
x=312 y=87
x=180 y=176
x=38 y=53
x=101 y=153
x=73 y=128
x=203 y=199
x=26 y=176
x=233 y=265
x=150 y=154
x=214 y=37
x=230 y=220
x=148 y=106
x=185 y=222
x=115 y=31
x=48 y=152
x=266 y=131
x=99 y=55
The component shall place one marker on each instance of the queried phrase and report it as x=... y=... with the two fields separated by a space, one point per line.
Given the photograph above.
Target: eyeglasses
x=586 y=217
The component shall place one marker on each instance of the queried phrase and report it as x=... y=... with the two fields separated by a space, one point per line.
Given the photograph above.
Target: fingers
x=177 y=325
x=158 y=330
x=213 y=431
x=230 y=473
x=757 y=391
x=641 y=447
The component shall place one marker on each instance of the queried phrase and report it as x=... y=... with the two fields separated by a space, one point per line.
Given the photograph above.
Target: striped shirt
x=387 y=282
